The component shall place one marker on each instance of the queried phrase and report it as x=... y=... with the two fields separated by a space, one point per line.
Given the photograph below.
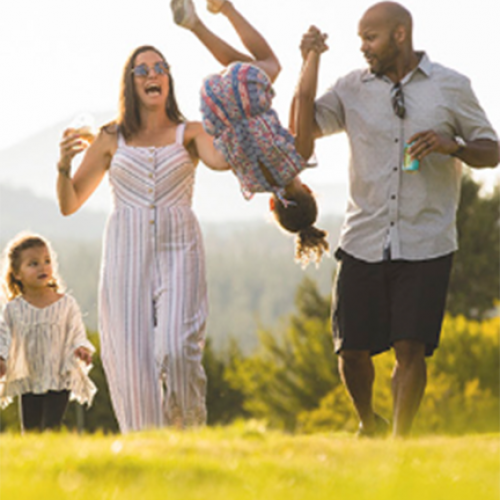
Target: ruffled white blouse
x=39 y=346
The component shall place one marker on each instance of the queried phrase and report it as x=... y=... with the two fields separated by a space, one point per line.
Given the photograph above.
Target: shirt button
x=396 y=140
x=151 y=221
x=392 y=223
x=151 y=206
x=393 y=197
x=150 y=176
x=150 y=190
x=395 y=169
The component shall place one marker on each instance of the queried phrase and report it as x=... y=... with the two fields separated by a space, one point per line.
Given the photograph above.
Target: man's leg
x=358 y=374
x=408 y=384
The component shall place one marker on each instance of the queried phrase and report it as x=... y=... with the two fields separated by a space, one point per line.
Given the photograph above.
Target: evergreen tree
x=294 y=369
x=475 y=279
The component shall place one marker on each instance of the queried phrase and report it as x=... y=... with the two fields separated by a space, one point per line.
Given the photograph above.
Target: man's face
x=378 y=44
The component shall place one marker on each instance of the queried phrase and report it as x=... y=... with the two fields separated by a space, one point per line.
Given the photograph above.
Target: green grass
x=246 y=462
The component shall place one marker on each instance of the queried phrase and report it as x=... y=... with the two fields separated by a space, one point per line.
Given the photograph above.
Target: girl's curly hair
x=298 y=215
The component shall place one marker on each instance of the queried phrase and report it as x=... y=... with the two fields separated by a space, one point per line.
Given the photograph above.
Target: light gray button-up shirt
x=412 y=212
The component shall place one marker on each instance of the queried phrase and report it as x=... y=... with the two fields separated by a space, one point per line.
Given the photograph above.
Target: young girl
x=43 y=344
x=236 y=108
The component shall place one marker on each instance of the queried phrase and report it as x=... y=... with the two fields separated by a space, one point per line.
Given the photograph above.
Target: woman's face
x=151 y=79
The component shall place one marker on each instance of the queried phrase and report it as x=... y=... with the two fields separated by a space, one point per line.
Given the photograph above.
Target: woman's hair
x=297 y=215
x=129 y=118
x=11 y=260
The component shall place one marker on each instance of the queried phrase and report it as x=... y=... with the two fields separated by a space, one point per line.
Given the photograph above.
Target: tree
x=475 y=278
x=224 y=402
x=295 y=367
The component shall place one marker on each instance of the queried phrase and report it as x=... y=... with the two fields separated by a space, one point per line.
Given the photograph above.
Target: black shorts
x=377 y=304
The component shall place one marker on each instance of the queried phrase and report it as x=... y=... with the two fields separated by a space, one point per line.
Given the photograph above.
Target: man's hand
x=3 y=367
x=313 y=40
x=424 y=143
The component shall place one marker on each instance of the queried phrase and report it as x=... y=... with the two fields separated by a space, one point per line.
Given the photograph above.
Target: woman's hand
x=71 y=144
x=3 y=367
x=201 y=146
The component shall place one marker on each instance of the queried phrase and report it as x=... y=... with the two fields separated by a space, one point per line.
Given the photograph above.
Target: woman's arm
x=73 y=192
x=201 y=146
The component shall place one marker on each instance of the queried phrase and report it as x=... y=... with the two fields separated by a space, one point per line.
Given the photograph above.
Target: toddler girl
x=44 y=352
x=236 y=109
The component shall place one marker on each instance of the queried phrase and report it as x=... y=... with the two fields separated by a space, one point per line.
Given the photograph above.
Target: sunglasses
x=398 y=100
x=160 y=67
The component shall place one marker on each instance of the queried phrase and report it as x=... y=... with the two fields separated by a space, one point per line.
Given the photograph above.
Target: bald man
x=399 y=234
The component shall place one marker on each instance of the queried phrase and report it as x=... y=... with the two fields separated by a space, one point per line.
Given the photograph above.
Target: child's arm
x=77 y=339
x=5 y=340
x=263 y=56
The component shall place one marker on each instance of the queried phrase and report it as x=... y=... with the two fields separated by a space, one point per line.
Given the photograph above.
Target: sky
x=62 y=57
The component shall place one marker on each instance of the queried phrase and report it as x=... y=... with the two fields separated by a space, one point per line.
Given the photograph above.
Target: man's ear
x=400 y=34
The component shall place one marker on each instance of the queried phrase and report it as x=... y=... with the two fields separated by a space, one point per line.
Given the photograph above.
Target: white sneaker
x=214 y=6
x=184 y=13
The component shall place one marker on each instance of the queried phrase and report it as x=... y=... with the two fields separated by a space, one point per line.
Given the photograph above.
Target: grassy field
x=247 y=462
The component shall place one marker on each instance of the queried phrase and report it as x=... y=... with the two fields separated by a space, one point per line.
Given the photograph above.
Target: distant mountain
x=21 y=210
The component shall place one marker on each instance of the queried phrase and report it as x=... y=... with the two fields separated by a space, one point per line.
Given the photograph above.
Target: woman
x=152 y=296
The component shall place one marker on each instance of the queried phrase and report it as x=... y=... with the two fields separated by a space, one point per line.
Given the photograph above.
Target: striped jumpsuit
x=152 y=293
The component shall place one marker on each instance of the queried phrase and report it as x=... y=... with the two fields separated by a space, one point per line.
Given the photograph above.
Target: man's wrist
x=461 y=145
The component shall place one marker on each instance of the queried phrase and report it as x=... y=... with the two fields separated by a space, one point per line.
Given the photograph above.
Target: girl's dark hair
x=299 y=217
x=129 y=119
x=12 y=287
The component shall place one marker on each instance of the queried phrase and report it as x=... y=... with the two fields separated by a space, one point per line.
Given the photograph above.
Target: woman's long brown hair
x=129 y=119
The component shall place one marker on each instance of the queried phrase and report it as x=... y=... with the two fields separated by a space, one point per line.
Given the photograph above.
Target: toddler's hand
x=84 y=354
x=3 y=367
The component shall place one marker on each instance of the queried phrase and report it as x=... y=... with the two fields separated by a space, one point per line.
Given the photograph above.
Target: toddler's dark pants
x=43 y=411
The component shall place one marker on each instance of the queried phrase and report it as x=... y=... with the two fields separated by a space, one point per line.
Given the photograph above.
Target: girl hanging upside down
x=236 y=109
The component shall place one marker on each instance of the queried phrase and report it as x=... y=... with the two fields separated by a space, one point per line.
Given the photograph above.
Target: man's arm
x=480 y=153
x=302 y=120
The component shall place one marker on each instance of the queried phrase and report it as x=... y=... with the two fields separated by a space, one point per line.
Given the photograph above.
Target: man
x=399 y=235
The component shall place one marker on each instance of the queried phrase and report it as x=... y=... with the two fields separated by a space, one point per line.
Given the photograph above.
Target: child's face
x=35 y=270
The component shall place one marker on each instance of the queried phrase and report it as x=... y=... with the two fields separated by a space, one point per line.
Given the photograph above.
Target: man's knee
x=409 y=351
x=351 y=357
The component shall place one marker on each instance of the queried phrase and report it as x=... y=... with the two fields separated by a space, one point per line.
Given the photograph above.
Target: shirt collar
x=424 y=66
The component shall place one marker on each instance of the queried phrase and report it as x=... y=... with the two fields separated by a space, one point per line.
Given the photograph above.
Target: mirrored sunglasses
x=160 y=67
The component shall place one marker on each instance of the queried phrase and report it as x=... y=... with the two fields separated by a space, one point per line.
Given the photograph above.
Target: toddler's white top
x=39 y=345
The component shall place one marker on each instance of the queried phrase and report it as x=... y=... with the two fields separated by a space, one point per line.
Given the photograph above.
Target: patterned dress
x=236 y=109
x=39 y=346
x=153 y=299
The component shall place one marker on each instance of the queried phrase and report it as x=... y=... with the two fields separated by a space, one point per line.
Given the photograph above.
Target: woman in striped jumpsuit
x=152 y=297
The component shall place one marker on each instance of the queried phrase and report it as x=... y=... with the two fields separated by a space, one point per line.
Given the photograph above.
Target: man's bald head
x=390 y=15
x=386 y=35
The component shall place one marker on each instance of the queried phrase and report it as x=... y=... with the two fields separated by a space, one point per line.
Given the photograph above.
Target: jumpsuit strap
x=179 y=134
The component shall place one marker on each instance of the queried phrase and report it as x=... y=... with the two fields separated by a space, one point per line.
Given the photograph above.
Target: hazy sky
x=60 y=57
